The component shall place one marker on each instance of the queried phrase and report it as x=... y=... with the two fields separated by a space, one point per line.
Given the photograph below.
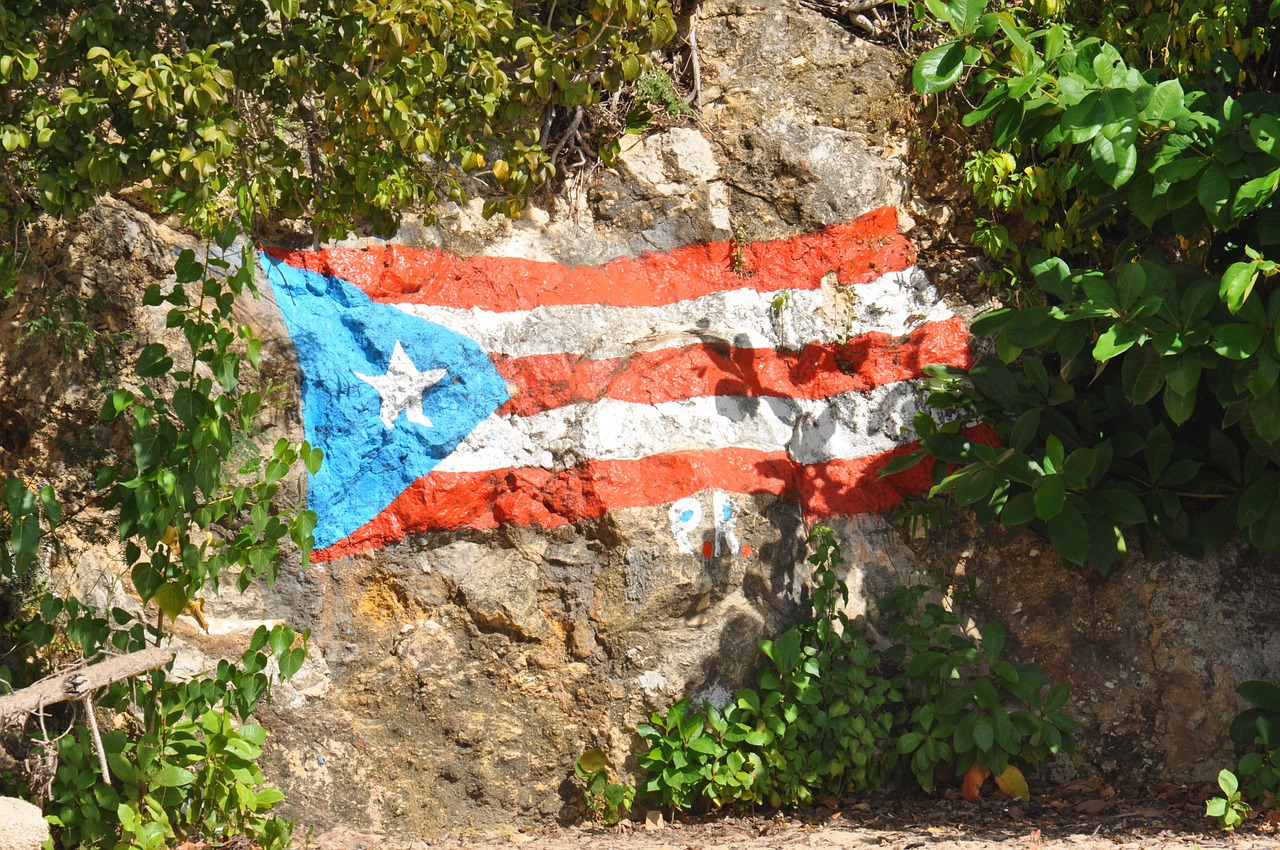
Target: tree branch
x=21 y=703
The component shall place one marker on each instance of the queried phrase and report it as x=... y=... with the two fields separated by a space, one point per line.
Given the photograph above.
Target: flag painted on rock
x=454 y=393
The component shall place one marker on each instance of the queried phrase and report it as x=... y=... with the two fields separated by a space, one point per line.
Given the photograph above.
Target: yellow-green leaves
x=342 y=112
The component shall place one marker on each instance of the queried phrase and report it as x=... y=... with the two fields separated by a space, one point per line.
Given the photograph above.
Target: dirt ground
x=1076 y=816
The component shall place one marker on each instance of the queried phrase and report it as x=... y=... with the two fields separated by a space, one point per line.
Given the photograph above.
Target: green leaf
x=1228 y=783
x=1237 y=283
x=172 y=776
x=1166 y=102
x=1142 y=374
x=942 y=11
x=1238 y=340
x=1032 y=326
x=1264 y=130
x=172 y=598
x=939 y=69
x=975 y=486
x=187 y=269
x=967 y=13
x=1115 y=340
x=146 y=580
x=1115 y=157
x=909 y=742
x=52 y=507
x=984 y=693
x=992 y=322
x=1262 y=694
x=1178 y=405
x=1256 y=501
x=993 y=637
x=1214 y=193
x=153 y=361
x=1008 y=123
x=1255 y=193
x=1264 y=414
x=1020 y=510
x=1050 y=496
x=984 y=734
x=1069 y=534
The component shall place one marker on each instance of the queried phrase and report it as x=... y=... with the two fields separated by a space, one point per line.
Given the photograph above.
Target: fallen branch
x=76 y=684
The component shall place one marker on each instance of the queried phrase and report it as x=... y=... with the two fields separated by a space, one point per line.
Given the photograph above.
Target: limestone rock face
x=1153 y=652
x=22 y=826
x=454 y=676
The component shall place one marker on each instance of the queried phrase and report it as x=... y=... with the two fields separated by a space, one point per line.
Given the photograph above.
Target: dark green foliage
x=1134 y=382
x=1257 y=730
x=607 y=801
x=829 y=716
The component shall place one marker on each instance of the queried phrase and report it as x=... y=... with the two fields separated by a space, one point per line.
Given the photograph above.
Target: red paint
x=816 y=371
x=858 y=251
x=707 y=549
x=746 y=550
x=550 y=498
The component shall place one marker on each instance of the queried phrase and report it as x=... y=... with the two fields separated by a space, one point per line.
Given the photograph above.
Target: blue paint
x=338 y=331
x=726 y=512
x=686 y=516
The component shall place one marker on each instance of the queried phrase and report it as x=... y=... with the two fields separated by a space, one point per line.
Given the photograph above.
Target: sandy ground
x=1083 y=817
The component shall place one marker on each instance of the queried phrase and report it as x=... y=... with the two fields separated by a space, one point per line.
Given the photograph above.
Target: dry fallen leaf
x=971 y=787
x=1091 y=807
x=1033 y=838
x=1077 y=787
x=1013 y=783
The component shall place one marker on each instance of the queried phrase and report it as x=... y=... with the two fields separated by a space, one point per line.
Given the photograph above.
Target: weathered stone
x=498 y=590
x=1153 y=652
x=22 y=826
x=455 y=675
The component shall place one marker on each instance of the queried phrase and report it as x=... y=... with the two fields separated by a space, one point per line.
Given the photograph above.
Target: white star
x=402 y=387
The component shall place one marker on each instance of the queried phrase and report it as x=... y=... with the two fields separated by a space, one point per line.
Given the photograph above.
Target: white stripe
x=893 y=304
x=849 y=425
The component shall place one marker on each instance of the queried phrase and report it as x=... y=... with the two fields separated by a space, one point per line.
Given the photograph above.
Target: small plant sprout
x=1229 y=810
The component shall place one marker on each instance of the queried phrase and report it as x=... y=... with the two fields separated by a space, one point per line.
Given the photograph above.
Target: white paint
x=848 y=425
x=402 y=387
x=725 y=512
x=652 y=682
x=892 y=304
x=716 y=694
x=685 y=515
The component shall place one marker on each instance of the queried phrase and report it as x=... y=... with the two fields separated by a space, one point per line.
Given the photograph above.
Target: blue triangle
x=338 y=331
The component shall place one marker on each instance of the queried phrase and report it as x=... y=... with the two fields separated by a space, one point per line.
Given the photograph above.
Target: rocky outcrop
x=455 y=674
x=22 y=826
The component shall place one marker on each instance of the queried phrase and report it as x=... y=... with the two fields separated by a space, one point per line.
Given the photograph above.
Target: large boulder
x=22 y=825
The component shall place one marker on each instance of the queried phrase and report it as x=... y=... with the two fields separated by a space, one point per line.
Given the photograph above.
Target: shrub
x=829 y=716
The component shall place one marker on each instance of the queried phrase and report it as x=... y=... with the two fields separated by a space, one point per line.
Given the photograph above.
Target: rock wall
x=506 y=576
x=693 y=356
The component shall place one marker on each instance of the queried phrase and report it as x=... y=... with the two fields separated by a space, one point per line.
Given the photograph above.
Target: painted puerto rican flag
x=453 y=393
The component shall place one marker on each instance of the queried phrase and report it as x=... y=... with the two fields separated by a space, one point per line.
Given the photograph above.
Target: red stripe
x=858 y=251
x=816 y=371
x=548 y=498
